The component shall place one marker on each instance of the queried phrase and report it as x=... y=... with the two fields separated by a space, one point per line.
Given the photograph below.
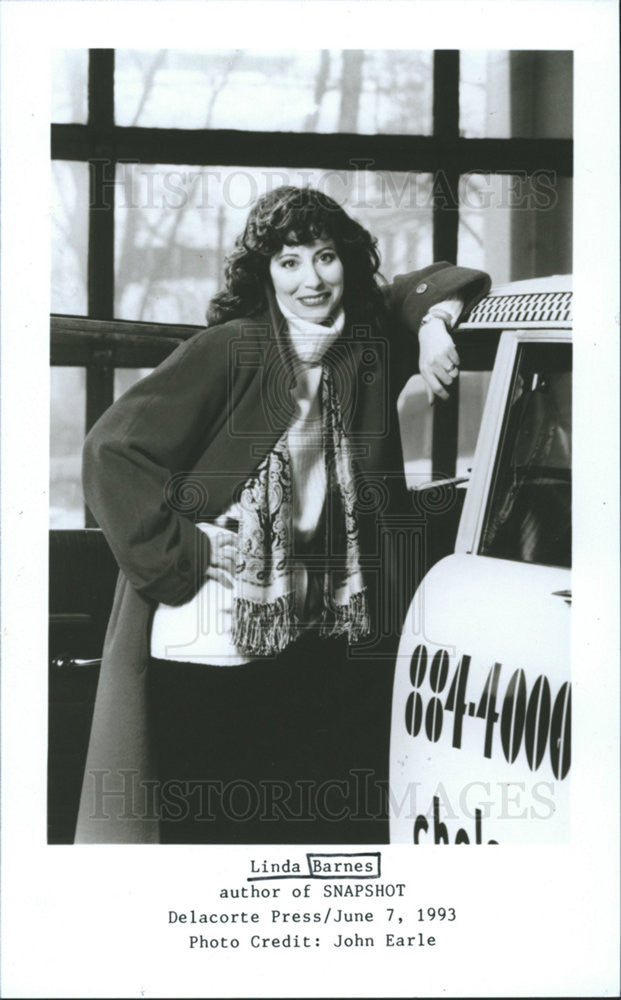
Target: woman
x=246 y=488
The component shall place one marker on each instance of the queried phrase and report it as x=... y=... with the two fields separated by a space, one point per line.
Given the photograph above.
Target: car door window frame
x=477 y=497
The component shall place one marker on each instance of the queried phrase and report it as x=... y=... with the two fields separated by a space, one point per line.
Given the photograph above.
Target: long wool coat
x=175 y=449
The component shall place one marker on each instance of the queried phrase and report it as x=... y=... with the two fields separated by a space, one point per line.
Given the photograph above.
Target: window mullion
x=446 y=94
x=101 y=88
x=446 y=177
x=445 y=229
x=100 y=273
x=101 y=186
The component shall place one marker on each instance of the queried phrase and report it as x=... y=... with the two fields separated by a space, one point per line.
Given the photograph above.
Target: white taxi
x=481 y=716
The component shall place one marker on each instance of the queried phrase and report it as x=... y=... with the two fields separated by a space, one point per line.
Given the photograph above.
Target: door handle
x=565 y=594
x=67 y=662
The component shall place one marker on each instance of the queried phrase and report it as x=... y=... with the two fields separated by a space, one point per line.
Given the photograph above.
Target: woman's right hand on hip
x=222 y=561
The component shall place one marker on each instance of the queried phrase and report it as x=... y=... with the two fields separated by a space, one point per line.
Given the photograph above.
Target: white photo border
x=93 y=919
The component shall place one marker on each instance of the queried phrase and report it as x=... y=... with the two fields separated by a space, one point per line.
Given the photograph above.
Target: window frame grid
x=445 y=154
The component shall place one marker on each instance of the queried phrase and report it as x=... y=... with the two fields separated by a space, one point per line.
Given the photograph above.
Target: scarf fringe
x=351 y=619
x=264 y=629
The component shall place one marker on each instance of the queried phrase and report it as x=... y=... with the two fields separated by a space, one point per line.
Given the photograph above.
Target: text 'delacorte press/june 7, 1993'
x=334 y=901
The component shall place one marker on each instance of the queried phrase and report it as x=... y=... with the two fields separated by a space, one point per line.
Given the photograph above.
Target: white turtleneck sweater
x=200 y=630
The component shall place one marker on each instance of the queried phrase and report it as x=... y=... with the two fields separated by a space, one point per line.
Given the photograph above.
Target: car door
x=481 y=721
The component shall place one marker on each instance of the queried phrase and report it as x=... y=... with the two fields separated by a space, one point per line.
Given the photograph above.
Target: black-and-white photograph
x=311 y=396
x=310 y=513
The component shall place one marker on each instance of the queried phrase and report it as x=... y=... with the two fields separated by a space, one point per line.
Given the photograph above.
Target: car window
x=528 y=517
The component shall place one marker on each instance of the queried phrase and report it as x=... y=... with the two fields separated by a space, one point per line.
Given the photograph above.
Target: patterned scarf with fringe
x=264 y=606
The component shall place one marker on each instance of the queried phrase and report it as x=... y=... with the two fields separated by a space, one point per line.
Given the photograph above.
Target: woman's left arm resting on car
x=429 y=302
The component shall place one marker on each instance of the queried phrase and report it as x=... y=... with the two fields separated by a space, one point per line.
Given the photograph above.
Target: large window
x=157 y=156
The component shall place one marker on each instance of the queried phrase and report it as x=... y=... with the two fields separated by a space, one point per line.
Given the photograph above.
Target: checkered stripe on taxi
x=526 y=307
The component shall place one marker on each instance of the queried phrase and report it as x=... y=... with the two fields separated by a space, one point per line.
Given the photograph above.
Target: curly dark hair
x=297 y=216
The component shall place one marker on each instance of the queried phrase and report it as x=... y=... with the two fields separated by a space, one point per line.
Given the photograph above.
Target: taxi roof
x=531 y=304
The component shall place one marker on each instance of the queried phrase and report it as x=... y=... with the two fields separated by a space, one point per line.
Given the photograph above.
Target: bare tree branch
x=321 y=87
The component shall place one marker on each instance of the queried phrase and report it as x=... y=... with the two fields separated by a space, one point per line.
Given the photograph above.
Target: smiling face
x=309 y=279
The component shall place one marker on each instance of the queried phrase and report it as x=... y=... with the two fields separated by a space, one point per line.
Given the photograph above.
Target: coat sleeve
x=132 y=452
x=411 y=295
